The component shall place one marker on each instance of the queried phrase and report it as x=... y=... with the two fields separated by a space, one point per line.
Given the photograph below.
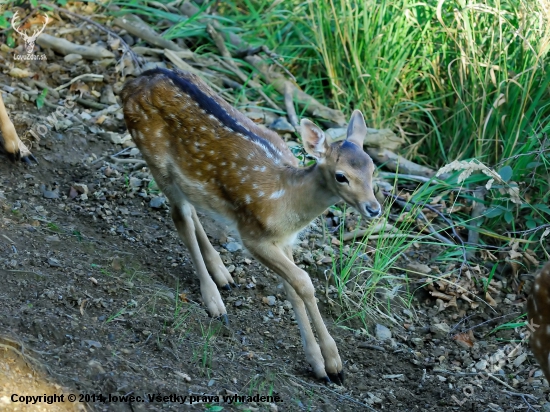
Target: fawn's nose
x=373 y=212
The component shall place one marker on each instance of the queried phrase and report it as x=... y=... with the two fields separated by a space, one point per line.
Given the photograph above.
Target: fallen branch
x=395 y=162
x=289 y=106
x=65 y=47
x=376 y=229
x=137 y=27
x=280 y=83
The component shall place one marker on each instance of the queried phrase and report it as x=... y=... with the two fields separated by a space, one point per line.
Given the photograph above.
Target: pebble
x=481 y=365
x=270 y=300
x=135 y=182
x=233 y=246
x=520 y=359
x=282 y=125
x=418 y=342
x=54 y=262
x=81 y=188
x=382 y=332
x=108 y=96
x=50 y=194
x=157 y=202
x=440 y=330
x=72 y=58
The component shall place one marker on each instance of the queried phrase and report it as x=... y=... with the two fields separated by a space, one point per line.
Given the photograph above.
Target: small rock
x=135 y=182
x=281 y=125
x=270 y=300
x=157 y=202
x=54 y=262
x=233 y=246
x=481 y=365
x=238 y=303
x=50 y=194
x=308 y=258
x=418 y=342
x=520 y=359
x=91 y=343
x=72 y=58
x=107 y=96
x=83 y=196
x=382 y=332
x=81 y=188
x=336 y=133
x=440 y=330
x=419 y=267
x=231 y=268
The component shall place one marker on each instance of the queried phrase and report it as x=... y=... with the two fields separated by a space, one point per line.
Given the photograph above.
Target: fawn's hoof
x=337 y=378
x=224 y=319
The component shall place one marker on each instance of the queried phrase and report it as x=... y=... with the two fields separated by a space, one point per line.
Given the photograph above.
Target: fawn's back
x=202 y=148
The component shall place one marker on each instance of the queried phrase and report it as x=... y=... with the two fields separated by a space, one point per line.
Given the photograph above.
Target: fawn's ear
x=313 y=139
x=357 y=128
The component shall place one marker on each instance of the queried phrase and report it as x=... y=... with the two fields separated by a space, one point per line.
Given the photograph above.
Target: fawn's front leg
x=272 y=256
x=182 y=215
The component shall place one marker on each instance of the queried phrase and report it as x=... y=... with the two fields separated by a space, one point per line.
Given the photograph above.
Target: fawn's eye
x=341 y=178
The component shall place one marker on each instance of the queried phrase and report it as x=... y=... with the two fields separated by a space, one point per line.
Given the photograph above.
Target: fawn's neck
x=309 y=193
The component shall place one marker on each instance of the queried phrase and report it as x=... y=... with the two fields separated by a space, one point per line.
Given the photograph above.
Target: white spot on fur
x=244 y=168
x=229 y=129
x=203 y=128
x=260 y=194
x=277 y=194
x=248 y=199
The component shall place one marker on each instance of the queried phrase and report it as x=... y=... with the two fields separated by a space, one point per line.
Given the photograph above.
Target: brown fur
x=538 y=313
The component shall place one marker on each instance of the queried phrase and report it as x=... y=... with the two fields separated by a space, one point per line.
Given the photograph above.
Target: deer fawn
x=203 y=152
x=13 y=146
x=538 y=313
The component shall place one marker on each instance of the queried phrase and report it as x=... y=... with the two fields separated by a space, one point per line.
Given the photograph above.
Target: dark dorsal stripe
x=210 y=105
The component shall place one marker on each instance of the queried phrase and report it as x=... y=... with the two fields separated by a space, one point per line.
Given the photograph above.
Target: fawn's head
x=345 y=166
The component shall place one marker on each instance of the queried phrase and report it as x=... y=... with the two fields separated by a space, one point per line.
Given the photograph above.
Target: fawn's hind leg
x=13 y=146
x=211 y=257
x=182 y=214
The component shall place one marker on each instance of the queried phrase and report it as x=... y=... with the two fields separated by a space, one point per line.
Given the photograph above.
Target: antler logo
x=29 y=40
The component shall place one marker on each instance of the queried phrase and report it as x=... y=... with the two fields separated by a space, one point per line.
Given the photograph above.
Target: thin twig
x=417 y=178
x=87 y=76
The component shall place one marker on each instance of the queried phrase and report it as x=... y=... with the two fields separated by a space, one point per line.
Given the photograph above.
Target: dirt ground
x=98 y=299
